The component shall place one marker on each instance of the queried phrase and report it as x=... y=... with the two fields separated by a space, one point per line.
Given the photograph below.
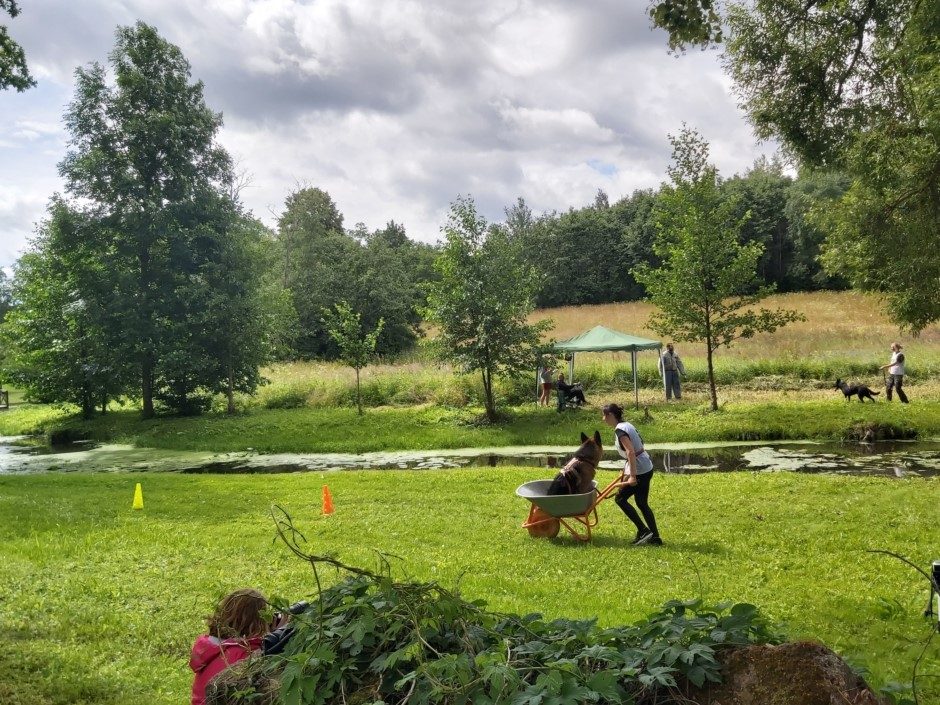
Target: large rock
x=795 y=673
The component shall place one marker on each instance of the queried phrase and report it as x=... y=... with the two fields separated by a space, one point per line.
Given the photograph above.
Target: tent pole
x=662 y=369
x=571 y=369
x=636 y=394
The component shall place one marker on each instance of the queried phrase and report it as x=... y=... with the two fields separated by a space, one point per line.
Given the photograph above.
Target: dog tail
x=874 y=392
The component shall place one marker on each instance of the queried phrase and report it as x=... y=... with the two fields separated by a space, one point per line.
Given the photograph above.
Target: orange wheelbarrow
x=576 y=512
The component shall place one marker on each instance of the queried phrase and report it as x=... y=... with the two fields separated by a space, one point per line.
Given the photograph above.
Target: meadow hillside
x=839 y=325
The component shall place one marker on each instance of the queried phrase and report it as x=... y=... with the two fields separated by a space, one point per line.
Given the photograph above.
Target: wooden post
x=636 y=393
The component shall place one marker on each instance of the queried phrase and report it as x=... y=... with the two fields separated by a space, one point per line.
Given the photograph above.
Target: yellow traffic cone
x=138 y=497
x=327 y=501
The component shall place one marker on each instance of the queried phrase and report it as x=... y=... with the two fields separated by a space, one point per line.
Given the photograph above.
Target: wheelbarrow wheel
x=543 y=525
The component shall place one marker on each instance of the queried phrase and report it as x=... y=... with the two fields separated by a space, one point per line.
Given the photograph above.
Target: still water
x=892 y=459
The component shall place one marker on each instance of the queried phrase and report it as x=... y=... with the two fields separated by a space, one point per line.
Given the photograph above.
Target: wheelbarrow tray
x=557 y=505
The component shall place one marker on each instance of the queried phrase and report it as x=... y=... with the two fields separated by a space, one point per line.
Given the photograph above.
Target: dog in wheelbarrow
x=578 y=474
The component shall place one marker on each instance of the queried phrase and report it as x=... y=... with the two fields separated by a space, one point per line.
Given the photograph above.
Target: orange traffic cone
x=327 y=501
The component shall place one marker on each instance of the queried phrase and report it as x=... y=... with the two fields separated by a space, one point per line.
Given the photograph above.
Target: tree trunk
x=146 y=364
x=230 y=392
x=711 y=368
x=146 y=388
x=104 y=403
x=711 y=378
x=88 y=406
x=358 y=393
x=488 y=395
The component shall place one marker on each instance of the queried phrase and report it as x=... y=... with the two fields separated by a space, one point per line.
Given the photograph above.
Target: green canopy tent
x=601 y=339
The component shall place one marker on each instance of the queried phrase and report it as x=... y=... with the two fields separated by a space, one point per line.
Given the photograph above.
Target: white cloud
x=394 y=106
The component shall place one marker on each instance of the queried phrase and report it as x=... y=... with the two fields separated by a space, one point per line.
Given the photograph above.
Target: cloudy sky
x=393 y=106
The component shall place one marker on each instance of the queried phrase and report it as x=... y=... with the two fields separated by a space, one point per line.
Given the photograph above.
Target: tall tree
x=851 y=85
x=63 y=338
x=356 y=347
x=248 y=309
x=707 y=285
x=317 y=262
x=14 y=72
x=143 y=151
x=482 y=299
x=377 y=273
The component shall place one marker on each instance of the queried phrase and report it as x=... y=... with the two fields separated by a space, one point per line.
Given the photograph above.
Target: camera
x=296 y=608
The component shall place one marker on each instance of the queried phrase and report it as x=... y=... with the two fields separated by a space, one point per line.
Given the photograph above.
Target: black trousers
x=640 y=492
x=895 y=382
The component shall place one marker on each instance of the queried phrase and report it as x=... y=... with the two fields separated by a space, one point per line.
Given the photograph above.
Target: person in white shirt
x=895 y=370
x=639 y=470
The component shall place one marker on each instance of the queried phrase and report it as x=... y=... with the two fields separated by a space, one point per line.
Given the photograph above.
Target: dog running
x=578 y=474
x=860 y=390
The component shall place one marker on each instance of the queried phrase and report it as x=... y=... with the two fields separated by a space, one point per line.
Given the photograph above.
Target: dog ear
x=583 y=437
x=597 y=437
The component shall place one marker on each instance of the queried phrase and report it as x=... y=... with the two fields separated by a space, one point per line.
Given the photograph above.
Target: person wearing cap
x=895 y=370
x=671 y=368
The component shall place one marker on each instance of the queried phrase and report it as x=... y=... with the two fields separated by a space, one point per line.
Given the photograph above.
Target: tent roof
x=601 y=339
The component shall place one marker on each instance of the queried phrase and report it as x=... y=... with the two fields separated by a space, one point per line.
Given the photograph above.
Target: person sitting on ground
x=235 y=631
x=572 y=392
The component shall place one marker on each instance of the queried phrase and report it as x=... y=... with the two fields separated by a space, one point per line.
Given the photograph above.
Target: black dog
x=577 y=475
x=860 y=390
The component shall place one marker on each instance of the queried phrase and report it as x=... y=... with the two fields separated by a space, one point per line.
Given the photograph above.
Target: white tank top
x=897 y=368
x=643 y=460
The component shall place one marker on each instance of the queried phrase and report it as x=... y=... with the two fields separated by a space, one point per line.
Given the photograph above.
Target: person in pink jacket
x=235 y=630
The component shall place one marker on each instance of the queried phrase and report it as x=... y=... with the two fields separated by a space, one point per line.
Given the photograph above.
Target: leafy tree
x=357 y=348
x=707 y=284
x=317 y=261
x=805 y=236
x=762 y=191
x=688 y=22
x=482 y=300
x=853 y=85
x=377 y=273
x=143 y=153
x=390 y=286
x=849 y=85
x=6 y=296
x=63 y=337
x=13 y=70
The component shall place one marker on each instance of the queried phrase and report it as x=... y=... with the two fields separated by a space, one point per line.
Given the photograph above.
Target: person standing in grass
x=235 y=630
x=895 y=370
x=545 y=377
x=671 y=368
x=639 y=465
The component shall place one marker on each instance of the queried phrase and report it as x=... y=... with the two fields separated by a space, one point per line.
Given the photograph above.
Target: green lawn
x=429 y=427
x=99 y=603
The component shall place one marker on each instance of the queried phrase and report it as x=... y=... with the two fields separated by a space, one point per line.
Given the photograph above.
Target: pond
x=889 y=458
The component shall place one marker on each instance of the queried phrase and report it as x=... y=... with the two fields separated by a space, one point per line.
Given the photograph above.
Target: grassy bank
x=100 y=603
x=767 y=416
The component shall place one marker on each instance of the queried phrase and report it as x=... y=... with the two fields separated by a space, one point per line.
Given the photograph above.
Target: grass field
x=100 y=603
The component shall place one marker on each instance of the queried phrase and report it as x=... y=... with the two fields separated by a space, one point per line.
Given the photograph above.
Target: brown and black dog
x=578 y=474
